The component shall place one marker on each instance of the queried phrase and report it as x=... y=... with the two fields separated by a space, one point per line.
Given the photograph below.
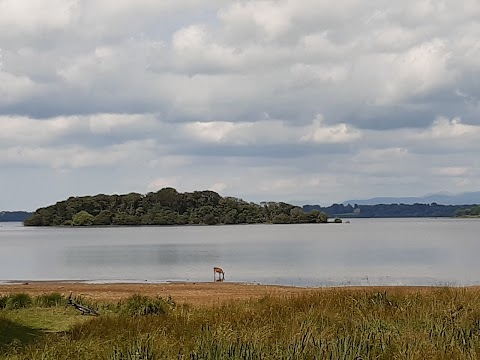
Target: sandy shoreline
x=200 y=293
x=205 y=293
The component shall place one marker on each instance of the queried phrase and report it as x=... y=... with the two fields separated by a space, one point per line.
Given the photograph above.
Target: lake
x=364 y=252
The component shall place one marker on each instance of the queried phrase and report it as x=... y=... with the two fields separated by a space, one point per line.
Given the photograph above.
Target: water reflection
x=399 y=256
x=156 y=254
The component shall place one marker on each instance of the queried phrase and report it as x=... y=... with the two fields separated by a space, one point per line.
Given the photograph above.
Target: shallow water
x=364 y=252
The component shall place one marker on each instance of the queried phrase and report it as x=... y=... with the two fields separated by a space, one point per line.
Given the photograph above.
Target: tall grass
x=144 y=305
x=16 y=301
x=22 y=300
x=438 y=323
x=50 y=300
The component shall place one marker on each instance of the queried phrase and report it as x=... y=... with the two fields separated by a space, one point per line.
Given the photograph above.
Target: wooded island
x=169 y=207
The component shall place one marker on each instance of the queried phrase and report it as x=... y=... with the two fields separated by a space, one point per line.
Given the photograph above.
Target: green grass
x=46 y=319
x=14 y=335
x=438 y=323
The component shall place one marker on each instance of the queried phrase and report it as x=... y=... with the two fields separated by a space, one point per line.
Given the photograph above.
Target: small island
x=169 y=207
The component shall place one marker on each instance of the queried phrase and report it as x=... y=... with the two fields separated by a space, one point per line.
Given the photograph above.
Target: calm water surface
x=364 y=252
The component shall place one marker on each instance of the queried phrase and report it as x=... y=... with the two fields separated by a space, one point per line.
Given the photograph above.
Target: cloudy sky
x=291 y=100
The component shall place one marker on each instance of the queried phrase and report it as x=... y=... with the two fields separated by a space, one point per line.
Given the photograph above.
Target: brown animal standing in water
x=220 y=272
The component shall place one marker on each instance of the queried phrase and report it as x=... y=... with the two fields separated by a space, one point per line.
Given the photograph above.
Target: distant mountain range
x=441 y=198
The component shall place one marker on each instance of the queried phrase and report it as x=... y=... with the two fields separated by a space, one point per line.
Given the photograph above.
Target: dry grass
x=207 y=293
x=395 y=323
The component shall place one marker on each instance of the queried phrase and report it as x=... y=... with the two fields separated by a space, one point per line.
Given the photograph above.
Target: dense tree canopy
x=169 y=207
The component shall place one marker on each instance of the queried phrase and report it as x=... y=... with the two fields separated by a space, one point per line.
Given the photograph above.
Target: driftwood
x=83 y=309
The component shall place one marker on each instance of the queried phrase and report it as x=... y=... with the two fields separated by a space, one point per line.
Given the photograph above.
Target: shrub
x=144 y=305
x=18 y=301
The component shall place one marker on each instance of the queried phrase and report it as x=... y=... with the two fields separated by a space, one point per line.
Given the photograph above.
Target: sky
x=307 y=101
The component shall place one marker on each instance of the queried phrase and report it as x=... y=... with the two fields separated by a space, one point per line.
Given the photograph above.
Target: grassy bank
x=437 y=323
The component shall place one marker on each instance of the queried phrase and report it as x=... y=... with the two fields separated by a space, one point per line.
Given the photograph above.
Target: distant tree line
x=391 y=210
x=169 y=207
x=14 y=215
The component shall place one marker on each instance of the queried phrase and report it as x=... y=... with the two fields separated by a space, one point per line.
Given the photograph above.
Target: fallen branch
x=83 y=309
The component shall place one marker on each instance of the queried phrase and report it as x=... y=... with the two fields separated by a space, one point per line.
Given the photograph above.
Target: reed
x=436 y=323
x=50 y=300
x=144 y=305
x=18 y=301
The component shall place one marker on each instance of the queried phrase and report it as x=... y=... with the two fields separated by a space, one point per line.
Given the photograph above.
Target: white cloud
x=321 y=133
x=218 y=187
x=190 y=38
x=455 y=171
x=163 y=182
x=270 y=132
x=273 y=19
x=420 y=69
x=24 y=130
x=451 y=129
x=195 y=52
x=33 y=15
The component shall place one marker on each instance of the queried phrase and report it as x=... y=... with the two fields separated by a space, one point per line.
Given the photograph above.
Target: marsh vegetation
x=382 y=323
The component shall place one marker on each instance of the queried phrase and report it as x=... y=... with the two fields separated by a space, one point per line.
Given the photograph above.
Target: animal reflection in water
x=220 y=272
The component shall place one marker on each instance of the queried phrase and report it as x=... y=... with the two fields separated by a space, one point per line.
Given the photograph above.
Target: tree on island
x=82 y=218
